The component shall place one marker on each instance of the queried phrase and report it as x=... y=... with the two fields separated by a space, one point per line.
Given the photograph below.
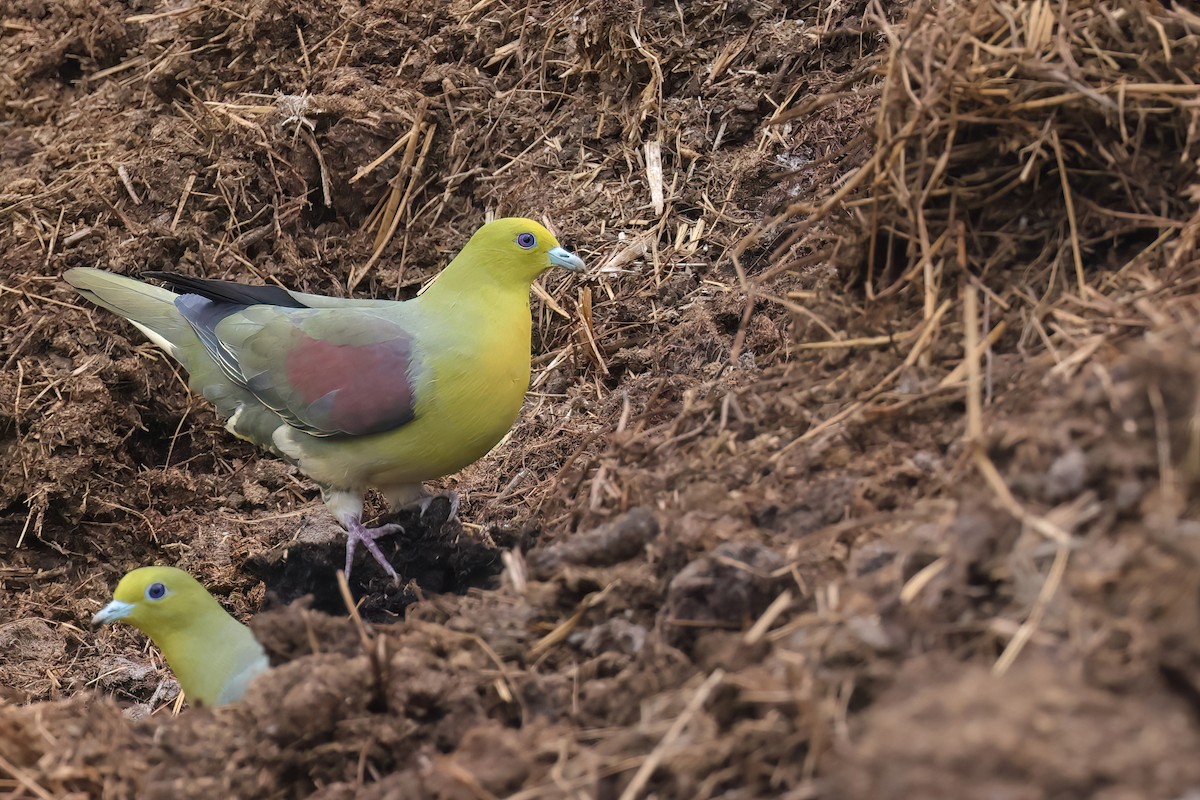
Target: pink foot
x=358 y=533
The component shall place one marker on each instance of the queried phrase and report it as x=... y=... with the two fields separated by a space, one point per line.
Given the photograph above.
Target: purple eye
x=156 y=591
x=527 y=240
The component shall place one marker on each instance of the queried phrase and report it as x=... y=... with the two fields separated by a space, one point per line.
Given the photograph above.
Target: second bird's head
x=518 y=249
x=154 y=600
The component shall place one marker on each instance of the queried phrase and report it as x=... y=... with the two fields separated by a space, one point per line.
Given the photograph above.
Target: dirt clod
x=613 y=542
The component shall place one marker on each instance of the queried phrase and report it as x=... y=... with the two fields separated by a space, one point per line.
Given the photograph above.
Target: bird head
x=518 y=249
x=154 y=600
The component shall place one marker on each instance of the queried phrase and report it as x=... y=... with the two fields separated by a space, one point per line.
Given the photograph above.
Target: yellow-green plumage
x=213 y=656
x=476 y=345
x=358 y=393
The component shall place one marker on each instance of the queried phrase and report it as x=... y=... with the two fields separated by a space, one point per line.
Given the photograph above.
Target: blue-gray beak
x=561 y=257
x=112 y=612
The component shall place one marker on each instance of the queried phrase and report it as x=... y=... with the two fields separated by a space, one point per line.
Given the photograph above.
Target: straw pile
x=1040 y=146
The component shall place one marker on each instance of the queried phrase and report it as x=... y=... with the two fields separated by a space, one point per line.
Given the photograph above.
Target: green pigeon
x=358 y=393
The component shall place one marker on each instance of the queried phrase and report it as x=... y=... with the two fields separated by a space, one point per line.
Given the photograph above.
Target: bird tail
x=151 y=308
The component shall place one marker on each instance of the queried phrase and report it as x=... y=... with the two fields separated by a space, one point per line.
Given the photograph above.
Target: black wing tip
x=239 y=294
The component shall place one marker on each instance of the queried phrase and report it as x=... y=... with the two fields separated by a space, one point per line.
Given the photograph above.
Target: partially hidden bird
x=358 y=393
x=213 y=656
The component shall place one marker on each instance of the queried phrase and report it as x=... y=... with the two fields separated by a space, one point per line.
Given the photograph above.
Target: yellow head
x=156 y=601
x=516 y=250
x=212 y=654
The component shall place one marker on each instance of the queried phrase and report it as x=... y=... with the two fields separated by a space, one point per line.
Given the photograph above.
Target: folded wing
x=328 y=372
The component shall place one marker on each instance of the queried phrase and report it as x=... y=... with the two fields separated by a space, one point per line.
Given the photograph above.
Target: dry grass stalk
x=694 y=704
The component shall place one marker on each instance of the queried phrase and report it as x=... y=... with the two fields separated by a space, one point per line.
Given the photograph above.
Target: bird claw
x=425 y=502
x=358 y=533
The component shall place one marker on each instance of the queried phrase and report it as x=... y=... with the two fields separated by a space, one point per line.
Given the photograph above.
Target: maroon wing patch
x=350 y=389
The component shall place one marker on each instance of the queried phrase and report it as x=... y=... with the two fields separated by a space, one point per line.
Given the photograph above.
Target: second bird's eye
x=155 y=591
x=526 y=240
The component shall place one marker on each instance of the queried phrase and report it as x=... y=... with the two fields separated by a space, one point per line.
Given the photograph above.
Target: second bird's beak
x=561 y=257
x=117 y=609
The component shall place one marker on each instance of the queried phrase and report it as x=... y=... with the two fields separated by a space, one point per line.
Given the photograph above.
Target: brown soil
x=862 y=464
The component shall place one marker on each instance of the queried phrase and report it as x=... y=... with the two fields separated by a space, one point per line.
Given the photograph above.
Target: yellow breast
x=473 y=375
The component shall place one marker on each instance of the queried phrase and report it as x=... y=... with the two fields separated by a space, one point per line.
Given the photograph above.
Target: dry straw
x=1049 y=142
